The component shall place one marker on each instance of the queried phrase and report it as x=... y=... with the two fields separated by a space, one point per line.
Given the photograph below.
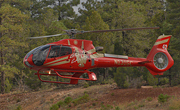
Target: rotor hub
x=160 y=60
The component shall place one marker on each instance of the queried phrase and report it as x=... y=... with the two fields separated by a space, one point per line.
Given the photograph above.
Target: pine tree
x=173 y=16
x=173 y=21
x=63 y=8
x=129 y=14
x=95 y=22
x=11 y=37
x=88 y=8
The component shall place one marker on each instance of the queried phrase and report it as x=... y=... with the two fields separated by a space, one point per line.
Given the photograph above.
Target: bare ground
x=99 y=94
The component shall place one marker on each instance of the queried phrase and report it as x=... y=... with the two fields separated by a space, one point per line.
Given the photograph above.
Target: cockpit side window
x=58 y=51
x=54 y=52
x=65 y=50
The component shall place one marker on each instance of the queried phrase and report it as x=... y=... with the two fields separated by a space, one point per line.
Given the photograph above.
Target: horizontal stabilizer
x=143 y=62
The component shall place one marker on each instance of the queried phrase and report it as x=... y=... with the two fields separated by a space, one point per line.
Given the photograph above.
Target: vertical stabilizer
x=160 y=58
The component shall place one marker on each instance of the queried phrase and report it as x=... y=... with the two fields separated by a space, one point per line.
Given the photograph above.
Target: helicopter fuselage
x=79 y=56
x=74 y=57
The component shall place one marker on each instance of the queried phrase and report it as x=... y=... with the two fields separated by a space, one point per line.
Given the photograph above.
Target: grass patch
x=141 y=105
x=132 y=103
x=112 y=94
x=86 y=85
x=107 y=107
x=149 y=99
x=68 y=100
x=61 y=103
x=19 y=107
x=163 y=98
x=168 y=103
x=85 y=98
x=174 y=104
x=54 y=107
x=117 y=108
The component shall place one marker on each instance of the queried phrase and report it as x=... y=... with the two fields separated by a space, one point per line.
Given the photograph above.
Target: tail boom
x=158 y=60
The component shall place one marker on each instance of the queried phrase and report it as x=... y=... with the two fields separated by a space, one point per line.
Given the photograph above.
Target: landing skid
x=73 y=78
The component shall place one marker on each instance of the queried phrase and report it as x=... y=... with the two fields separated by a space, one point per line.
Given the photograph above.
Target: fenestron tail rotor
x=160 y=60
x=73 y=32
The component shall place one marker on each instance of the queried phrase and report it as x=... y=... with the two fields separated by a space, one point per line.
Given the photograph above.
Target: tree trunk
x=59 y=12
x=57 y=85
x=170 y=76
x=106 y=72
x=2 y=72
x=2 y=61
x=2 y=82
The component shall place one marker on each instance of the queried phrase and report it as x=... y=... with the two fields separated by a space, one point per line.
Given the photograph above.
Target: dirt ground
x=99 y=94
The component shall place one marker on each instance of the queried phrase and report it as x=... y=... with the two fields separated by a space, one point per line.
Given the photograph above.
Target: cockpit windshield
x=40 y=54
x=32 y=51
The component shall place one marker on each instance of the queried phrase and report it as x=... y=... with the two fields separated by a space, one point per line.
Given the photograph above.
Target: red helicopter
x=77 y=57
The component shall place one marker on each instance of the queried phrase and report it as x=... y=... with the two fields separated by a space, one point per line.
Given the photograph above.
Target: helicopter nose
x=28 y=61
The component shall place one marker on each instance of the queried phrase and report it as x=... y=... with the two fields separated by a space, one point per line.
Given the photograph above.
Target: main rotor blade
x=125 y=29
x=47 y=36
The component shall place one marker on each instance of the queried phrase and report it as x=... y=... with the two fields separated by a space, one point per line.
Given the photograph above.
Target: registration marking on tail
x=123 y=62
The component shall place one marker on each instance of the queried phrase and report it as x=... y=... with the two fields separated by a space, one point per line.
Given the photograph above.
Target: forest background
x=20 y=19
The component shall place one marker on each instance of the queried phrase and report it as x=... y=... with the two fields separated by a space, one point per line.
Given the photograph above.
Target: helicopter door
x=59 y=51
x=54 y=52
